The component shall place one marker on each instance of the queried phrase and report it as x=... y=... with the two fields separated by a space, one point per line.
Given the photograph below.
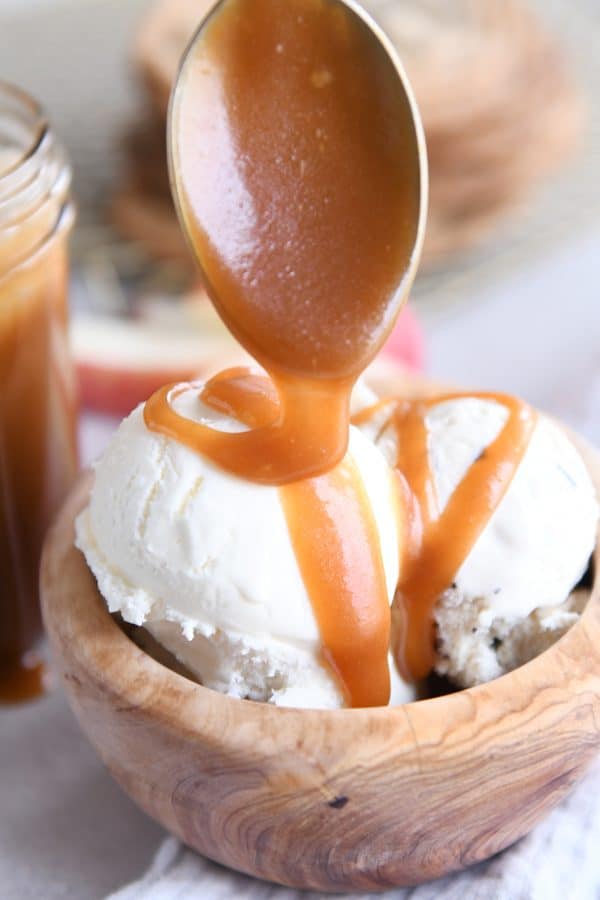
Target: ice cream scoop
x=203 y=559
x=510 y=597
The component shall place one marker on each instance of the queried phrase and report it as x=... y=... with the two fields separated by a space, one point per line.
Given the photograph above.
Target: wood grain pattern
x=334 y=801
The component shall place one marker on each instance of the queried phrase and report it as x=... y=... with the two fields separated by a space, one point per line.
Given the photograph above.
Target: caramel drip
x=38 y=458
x=309 y=432
x=440 y=541
x=243 y=395
x=335 y=539
x=24 y=680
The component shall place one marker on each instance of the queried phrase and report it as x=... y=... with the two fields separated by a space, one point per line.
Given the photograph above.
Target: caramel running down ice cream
x=204 y=559
x=275 y=549
x=510 y=595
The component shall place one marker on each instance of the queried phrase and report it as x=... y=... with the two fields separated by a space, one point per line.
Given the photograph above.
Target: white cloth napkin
x=559 y=860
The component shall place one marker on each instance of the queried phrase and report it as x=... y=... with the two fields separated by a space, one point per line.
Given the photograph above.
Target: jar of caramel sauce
x=38 y=456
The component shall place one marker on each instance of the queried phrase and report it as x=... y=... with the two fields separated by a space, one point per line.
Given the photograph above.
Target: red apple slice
x=121 y=362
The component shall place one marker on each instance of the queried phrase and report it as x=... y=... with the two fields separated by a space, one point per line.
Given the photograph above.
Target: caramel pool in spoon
x=298 y=167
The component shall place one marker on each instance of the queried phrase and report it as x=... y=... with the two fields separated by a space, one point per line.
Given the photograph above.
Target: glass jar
x=38 y=456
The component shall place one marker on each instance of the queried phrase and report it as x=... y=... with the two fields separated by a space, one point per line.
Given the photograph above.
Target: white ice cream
x=204 y=561
x=510 y=598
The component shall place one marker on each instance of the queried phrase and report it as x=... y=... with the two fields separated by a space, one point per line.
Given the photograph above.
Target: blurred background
x=507 y=293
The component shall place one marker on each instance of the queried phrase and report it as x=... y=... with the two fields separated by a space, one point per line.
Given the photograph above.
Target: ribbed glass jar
x=38 y=456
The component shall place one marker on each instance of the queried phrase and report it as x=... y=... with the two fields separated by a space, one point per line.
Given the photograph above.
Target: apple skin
x=406 y=343
x=117 y=386
x=117 y=391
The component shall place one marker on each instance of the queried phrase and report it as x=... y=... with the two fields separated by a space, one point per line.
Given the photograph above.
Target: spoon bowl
x=298 y=168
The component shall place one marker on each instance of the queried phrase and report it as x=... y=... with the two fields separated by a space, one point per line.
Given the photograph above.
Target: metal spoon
x=243 y=140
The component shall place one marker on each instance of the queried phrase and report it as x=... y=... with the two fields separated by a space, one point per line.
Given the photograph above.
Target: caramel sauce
x=334 y=534
x=298 y=443
x=333 y=531
x=298 y=181
x=440 y=541
x=242 y=395
x=38 y=459
x=294 y=152
x=294 y=149
x=25 y=680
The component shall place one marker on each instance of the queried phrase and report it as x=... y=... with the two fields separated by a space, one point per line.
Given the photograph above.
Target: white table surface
x=66 y=830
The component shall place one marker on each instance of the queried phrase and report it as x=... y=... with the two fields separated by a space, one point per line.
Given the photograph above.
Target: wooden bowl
x=330 y=800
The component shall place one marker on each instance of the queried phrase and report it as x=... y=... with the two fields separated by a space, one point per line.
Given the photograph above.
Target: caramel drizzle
x=23 y=680
x=333 y=531
x=293 y=143
x=334 y=535
x=292 y=441
x=277 y=244
x=440 y=541
x=335 y=539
